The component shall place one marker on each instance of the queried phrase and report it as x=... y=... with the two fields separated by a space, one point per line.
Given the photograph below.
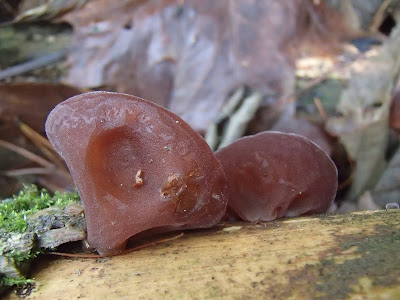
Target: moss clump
x=19 y=235
x=13 y=212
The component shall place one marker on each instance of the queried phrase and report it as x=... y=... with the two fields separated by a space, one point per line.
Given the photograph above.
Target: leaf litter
x=194 y=59
x=191 y=58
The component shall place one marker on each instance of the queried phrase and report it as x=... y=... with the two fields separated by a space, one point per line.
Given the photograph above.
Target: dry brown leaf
x=30 y=103
x=40 y=10
x=307 y=129
x=189 y=55
x=362 y=126
x=49 y=175
x=387 y=190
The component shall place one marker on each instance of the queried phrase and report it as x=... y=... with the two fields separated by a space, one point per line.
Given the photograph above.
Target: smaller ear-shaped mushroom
x=272 y=175
x=137 y=166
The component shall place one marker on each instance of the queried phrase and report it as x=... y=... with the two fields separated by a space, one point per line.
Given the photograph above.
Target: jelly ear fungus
x=272 y=175
x=137 y=167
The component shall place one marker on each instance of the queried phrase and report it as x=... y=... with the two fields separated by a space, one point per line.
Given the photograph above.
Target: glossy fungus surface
x=137 y=166
x=272 y=175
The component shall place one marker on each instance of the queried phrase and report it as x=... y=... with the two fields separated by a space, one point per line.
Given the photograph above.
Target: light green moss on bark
x=19 y=230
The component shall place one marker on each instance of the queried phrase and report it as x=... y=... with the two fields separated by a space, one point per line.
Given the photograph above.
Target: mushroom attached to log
x=137 y=166
x=272 y=175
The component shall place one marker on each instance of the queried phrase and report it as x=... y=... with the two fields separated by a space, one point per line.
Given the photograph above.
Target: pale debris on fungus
x=139 y=179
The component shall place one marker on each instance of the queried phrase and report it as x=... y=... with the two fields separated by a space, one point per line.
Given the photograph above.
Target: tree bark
x=346 y=256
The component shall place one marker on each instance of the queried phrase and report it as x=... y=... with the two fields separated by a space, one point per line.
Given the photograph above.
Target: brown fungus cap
x=272 y=175
x=137 y=167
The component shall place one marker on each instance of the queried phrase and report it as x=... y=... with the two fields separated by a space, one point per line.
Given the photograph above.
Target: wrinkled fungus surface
x=137 y=167
x=272 y=175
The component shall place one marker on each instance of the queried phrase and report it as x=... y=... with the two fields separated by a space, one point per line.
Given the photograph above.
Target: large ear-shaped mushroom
x=271 y=175
x=137 y=167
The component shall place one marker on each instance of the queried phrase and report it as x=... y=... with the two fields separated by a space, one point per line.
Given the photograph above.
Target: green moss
x=380 y=255
x=328 y=91
x=18 y=241
x=22 y=42
x=20 y=257
x=359 y=219
x=13 y=212
x=374 y=257
x=379 y=260
x=8 y=281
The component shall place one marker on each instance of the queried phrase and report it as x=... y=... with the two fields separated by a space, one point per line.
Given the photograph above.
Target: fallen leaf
x=188 y=55
x=387 y=190
x=31 y=11
x=30 y=103
x=395 y=112
x=307 y=129
x=366 y=202
x=233 y=120
x=362 y=126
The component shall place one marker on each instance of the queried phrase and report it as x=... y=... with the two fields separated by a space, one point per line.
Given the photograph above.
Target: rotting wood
x=347 y=256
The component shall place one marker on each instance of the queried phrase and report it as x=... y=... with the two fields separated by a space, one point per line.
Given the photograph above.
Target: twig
x=28 y=171
x=379 y=16
x=121 y=253
x=336 y=68
x=320 y=108
x=33 y=135
x=27 y=154
x=43 y=144
x=33 y=64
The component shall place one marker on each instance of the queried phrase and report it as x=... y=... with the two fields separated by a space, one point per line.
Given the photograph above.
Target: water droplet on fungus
x=183 y=191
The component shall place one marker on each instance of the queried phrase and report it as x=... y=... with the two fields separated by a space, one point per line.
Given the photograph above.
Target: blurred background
x=325 y=69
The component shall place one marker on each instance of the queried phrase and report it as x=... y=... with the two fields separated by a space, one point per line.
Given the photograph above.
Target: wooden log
x=346 y=256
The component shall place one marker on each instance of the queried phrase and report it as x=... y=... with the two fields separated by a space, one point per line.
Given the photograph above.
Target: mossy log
x=346 y=256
